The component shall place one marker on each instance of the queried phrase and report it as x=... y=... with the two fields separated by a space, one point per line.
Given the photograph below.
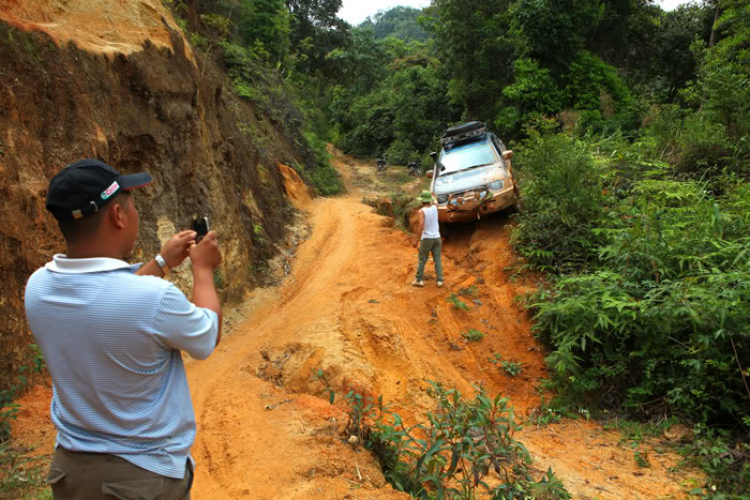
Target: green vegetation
x=472 y=335
x=8 y=408
x=726 y=461
x=399 y=22
x=512 y=368
x=455 y=449
x=457 y=303
x=274 y=55
x=323 y=378
x=20 y=475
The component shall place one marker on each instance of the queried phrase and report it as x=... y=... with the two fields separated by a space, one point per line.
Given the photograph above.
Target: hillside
x=121 y=83
x=398 y=22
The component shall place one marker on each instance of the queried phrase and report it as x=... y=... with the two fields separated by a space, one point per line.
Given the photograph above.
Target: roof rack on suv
x=462 y=132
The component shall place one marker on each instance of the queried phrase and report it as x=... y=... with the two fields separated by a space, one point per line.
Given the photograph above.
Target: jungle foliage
x=274 y=53
x=644 y=233
x=398 y=22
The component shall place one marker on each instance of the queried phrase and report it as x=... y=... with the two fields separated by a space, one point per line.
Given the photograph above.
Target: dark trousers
x=93 y=476
x=426 y=247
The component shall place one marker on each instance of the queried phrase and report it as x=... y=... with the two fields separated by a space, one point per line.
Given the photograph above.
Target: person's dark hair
x=76 y=229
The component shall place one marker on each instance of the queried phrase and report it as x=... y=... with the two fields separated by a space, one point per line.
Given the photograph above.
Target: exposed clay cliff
x=118 y=81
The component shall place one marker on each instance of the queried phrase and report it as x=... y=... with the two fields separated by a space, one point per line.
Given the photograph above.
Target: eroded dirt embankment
x=265 y=428
x=118 y=81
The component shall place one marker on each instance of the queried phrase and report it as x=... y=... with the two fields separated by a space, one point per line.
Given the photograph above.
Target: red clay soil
x=265 y=428
x=97 y=26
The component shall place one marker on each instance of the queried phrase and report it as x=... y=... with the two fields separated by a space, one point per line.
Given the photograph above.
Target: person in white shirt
x=429 y=241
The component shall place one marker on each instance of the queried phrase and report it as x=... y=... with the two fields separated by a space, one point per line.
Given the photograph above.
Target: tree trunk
x=193 y=16
x=712 y=40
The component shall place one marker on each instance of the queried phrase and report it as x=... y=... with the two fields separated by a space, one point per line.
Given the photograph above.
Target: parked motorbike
x=382 y=163
x=414 y=168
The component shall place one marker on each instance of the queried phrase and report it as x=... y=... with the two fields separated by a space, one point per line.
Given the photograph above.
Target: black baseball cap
x=84 y=187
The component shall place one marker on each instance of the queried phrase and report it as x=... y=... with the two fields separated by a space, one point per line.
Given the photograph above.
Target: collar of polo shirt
x=61 y=264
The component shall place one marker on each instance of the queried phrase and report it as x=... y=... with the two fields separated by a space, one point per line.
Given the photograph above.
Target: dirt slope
x=118 y=81
x=347 y=308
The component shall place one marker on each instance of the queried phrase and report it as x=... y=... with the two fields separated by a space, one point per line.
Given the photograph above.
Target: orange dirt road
x=265 y=427
x=348 y=309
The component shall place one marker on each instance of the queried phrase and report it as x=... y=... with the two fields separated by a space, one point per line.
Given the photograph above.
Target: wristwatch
x=162 y=263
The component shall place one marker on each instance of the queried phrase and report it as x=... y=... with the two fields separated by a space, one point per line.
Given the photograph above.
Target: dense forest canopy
x=630 y=125
x=398 y=22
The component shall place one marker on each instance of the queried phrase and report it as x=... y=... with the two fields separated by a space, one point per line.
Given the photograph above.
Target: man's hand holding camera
x=206 y=254
x=177 y=249
x=203 y=252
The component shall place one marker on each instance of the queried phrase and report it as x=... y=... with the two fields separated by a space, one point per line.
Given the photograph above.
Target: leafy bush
x=703 y=149
x=724 y=459
x=588 y=79
x=323 y=176
x=663 y=324
x=457 y=303
x=8 y=408
x=472 y=335
x=21 y=476
x=453 y=452
x=512 y=368
x=563 y=200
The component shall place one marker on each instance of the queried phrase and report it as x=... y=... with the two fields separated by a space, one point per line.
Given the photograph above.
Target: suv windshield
x=468 y=155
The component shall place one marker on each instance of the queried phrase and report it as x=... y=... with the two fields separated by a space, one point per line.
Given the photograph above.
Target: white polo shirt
x=112 y=340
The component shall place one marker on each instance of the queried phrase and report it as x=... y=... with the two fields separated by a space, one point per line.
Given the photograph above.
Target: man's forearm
x=150 y=269
x=204 y=294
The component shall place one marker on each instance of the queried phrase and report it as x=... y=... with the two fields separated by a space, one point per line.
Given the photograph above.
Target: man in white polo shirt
x=112 y=335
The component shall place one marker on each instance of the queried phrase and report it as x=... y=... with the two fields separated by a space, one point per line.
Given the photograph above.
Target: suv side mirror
x=429 y=173
x=508 y=155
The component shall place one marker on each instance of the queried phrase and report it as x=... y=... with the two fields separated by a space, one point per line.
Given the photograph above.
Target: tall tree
x=471 y=40
x=315 y=31
x=398 y=22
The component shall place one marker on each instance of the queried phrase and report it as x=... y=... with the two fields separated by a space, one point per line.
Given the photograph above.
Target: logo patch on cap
x=110 y=190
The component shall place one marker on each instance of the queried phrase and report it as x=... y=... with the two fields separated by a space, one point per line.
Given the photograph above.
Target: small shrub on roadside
x=512 y=368
x=563 y=200
x=453 y=451
x=323 y=176
x=725 y=459
x=8 y=408
x=472 y=335
x=457 y=303
x=20 y=475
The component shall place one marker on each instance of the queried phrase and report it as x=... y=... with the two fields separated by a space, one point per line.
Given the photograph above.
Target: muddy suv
x=473 y=174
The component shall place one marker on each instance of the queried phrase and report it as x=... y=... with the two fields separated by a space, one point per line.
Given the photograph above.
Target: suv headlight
x=495 y=186
x=443 y=198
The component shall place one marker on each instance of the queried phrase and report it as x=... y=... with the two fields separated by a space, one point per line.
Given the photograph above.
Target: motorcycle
x=414 y=168
x=382 y=164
